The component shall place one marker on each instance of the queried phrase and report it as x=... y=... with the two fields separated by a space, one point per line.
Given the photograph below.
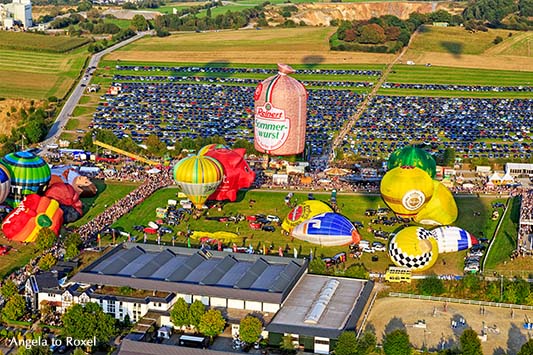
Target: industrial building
x=16 y=13
x=313 y=309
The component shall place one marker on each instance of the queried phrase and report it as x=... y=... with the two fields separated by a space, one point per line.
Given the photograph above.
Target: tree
x=372 y=33
x=78 y=351
x=154 y=145
x=357 y=271
x=14 y=308
x=250 y=329
x=527 y=348
x=179 y=314
x=346 y=344
x=46 y=262
x=34 y=350
x=397 y=343
x=196 y=311
x=73 y=244
x=86 y=322
x=317 y=266
x=139 y=23
x=35 y=130
x=366 y=344
x=45 y=239
x=287 y=346
x=431 y=285
x=470 y=343
x=211 y=323
x=8 y=289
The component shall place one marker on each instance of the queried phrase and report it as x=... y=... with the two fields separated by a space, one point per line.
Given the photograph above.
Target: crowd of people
x=152 y=183
x=525 y=229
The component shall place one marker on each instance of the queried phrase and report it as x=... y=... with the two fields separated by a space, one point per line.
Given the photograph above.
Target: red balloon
x=237 y=173
x=66 y=195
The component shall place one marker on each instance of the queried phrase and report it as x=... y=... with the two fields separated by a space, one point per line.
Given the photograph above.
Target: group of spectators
x=152 y=183
x=525 y=229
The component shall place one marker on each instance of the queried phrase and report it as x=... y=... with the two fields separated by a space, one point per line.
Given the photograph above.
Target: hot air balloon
x=209 y=147
x=70 y=175
x=33 y=213
x=451 y=239
x=198 y=177
x=304 y=211
x=413 y=156
x=69 y=200
x=441 y=209
x=237 y=173
x=29 y=174
x=406 y=190
x=414 y=248
x=327 y=229
x=5 y=183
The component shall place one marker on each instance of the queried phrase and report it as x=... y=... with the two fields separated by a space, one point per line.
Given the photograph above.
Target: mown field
x=39 y=43
x=31 y=75
x=352 y=206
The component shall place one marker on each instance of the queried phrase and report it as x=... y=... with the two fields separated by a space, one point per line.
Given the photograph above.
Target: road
x=76 y=94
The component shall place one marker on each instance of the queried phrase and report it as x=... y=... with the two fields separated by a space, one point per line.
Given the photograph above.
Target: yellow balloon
x=304 y=211
x=198 y=177
x=441 y=209
x=406 y=190
x=414 y=248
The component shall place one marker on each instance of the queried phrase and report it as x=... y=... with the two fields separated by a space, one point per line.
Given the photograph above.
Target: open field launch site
x=340 y=177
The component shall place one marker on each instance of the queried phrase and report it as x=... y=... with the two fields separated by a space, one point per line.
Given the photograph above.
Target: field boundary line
x=461 y=301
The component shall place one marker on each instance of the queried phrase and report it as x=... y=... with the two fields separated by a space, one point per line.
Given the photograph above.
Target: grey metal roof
x=185 y=270
x=130 y=347
x=341 y=313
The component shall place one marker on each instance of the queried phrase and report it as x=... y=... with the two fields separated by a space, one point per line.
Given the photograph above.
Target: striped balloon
x=5 y=183
x=209 y=147
x=198 y=177
x=29 y=174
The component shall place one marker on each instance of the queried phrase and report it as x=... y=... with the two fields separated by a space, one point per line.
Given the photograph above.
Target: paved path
x=345 y=130
x=74 y=98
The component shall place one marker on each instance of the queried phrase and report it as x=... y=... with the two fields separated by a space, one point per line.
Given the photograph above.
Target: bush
x=431 y=286
x=497 y=40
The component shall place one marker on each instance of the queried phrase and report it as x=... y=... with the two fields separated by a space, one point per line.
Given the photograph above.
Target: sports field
x=505 y=332
x=26 y=74
x=268 y=202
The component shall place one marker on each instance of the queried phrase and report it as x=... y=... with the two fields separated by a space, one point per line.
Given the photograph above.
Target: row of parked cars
x=474 y=255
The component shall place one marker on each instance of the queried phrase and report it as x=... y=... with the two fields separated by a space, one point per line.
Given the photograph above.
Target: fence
x=460 y=300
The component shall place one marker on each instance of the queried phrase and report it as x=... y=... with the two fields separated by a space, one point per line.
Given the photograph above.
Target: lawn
x=506 y=243
x=39 y=43
x=457 y=40
x=72 y=124
x=25 y=74
x=352 y=206
x=108 y=194
x=421 y=74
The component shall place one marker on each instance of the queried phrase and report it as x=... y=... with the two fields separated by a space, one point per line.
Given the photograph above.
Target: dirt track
x=390 y=313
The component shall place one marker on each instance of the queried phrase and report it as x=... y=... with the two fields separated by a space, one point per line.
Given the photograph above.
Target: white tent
x=507 y=179
x=153 y=171
x=495 y=178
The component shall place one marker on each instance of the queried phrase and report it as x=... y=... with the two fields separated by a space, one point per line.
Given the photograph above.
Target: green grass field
x=25 y=74
x=72 y=124
x=456 y=40
x=39 y=43
x=352 y=206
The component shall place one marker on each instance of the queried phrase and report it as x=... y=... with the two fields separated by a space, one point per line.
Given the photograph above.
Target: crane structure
x=128 y=154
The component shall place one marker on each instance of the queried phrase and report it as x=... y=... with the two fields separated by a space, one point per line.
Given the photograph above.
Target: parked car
x=378 y=246
x=370 y=212
x=367 y=249
x=339 y=258
x=3 y=250
x=268 y=228
x=357 y=224
x=272 y=218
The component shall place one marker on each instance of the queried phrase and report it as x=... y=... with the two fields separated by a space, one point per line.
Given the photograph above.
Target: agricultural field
x=456 y=47
x=351 y=205
x=39 y=43
x=308 y=45
x=23 y=74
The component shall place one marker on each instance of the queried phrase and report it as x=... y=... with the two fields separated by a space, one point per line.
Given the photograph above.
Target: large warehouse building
x=313 y=309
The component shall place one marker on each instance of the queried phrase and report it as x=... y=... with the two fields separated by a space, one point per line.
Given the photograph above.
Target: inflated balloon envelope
x=327 y=229
x=414 y=248
x=406 y=190
x=302 y=212
x=451 y=239
x=280 y=114
x=413 y=156
x=33 y=213
x=441 y=209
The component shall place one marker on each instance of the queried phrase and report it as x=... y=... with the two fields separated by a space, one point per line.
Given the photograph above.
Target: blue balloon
x=328 y=229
